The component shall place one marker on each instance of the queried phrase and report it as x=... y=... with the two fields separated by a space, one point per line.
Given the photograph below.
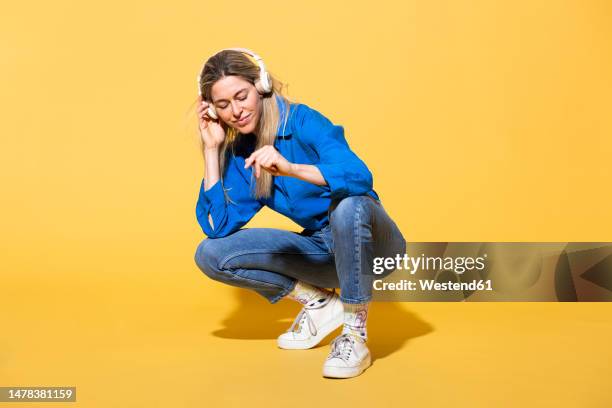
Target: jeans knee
x=343 y=214
x=206 y=259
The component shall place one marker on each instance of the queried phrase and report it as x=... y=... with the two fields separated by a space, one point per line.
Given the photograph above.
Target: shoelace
x=342 y=347
x=297 y=323
x=304 y=315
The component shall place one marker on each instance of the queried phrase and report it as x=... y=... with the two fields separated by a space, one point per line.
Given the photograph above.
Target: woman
x=265 y=150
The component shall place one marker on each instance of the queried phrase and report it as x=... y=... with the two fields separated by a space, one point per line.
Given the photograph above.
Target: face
x=237 y=103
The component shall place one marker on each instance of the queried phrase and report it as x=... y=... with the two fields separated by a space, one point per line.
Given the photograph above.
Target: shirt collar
x=284 y=129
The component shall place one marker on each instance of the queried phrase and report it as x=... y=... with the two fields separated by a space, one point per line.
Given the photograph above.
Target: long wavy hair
x=231 y=62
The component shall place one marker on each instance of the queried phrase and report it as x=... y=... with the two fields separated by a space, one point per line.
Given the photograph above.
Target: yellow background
x=480 y=120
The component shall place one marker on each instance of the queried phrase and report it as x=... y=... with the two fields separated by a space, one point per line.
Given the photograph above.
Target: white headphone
x=263 y=84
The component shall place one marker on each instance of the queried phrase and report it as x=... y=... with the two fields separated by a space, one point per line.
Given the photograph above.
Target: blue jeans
x=340 y=255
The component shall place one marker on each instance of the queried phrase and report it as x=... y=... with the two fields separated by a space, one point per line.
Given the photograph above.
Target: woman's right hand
x=211 y=130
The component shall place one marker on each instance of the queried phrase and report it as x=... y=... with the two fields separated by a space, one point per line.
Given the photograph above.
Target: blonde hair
x=230 y=62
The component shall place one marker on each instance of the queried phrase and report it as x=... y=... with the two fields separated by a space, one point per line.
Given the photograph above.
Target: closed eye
x=241 y=98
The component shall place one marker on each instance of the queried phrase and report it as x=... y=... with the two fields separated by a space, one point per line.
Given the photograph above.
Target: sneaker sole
x=347 y=372
x=327 y=328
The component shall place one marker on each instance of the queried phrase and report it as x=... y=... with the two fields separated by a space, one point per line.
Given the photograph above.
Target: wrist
x=294 y=170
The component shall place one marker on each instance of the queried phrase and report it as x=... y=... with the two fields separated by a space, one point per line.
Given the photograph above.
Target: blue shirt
x=307 y=137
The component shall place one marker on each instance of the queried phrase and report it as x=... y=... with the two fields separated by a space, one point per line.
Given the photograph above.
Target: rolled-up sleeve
x=345 y=173
x=227 y=217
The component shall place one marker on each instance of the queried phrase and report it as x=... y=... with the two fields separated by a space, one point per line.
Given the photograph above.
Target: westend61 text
x=430 y=284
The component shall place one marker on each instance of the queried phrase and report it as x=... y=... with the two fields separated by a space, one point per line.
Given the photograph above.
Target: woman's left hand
x=269 y=159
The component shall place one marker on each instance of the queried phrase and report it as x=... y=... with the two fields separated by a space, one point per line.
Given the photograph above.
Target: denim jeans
x=340 y=255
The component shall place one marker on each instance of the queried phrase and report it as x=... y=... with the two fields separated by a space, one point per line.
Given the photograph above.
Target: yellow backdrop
x=480 y=120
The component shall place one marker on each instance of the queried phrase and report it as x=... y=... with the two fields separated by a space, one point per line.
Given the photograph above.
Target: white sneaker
x=349 y=357
x=313 y=323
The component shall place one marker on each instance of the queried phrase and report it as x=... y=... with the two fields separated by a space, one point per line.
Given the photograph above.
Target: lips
x=245 y=120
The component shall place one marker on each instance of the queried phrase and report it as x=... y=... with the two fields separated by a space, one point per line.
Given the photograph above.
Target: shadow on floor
x=389 y=325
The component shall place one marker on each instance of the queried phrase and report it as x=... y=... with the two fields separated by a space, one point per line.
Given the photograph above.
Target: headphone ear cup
x=263 y=88
x=259 y=87
x=268 y=87
x=212 y=112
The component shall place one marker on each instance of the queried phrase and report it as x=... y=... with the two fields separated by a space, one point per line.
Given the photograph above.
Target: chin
x=250 y=128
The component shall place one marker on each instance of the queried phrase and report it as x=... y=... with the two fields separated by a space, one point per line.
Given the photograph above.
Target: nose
x=236 y=109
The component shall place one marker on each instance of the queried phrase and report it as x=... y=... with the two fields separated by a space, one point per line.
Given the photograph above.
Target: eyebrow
x=225 y=100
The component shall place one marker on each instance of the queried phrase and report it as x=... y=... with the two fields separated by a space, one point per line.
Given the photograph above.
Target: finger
x=265 y=152
x=256 y=155
x=249 y=161
x=275 y=158
x=271 y=168
x=257 y=169
x=203 y=109
x=265 y=160
x=269 y=162
x=204 y=124
x=203 y=116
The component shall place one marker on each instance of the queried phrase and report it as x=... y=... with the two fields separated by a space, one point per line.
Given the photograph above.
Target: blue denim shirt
x=307 y=137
